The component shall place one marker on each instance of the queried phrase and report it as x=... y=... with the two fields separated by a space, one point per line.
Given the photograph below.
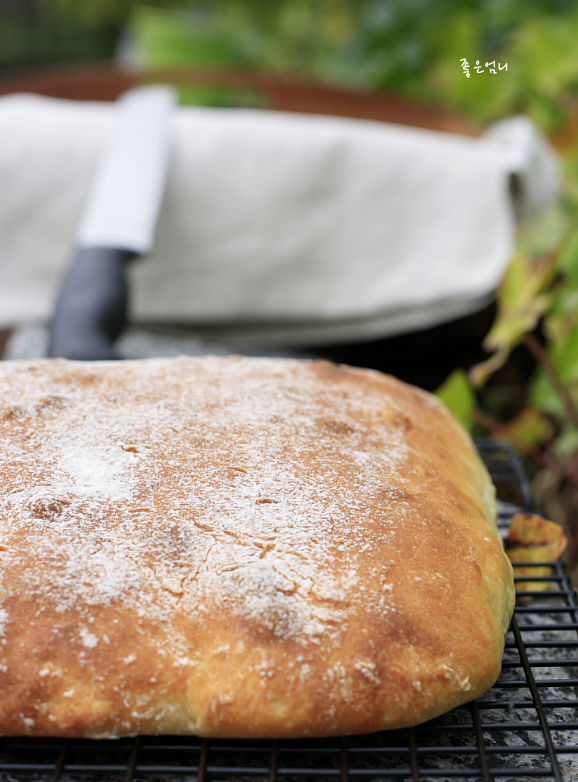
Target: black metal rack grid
x=524 y=728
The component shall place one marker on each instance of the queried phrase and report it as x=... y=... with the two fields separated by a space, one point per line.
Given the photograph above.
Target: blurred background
x=409 y=47
x=403 y=46
x=470 y=60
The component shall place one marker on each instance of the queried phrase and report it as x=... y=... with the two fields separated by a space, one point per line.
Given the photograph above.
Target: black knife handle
x=91 y=306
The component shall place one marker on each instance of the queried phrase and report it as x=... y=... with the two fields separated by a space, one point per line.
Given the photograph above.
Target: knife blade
x=117 y=225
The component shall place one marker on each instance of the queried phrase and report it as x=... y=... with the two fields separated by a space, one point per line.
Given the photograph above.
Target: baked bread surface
x=236 y=547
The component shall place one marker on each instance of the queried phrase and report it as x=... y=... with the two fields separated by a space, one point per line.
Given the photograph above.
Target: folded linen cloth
x=277 y=227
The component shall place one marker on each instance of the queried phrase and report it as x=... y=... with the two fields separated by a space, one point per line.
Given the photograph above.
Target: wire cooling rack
x=525 y=728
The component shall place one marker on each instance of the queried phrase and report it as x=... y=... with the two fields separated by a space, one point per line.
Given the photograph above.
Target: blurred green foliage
x=408 y=46
x=457 y=393
x=34 y=41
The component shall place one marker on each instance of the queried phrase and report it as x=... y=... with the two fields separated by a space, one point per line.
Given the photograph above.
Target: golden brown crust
x=239 y=548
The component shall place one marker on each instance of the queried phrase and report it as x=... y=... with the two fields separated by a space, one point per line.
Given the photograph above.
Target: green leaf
x=528 y=430
x=457 y=394
x=481 y=372
x=525 y=278
x=565 y=301
x=566 y=442
x=564 y=356
x=568 y=260
x=523 y=298
x=542 y=395
x=513 y=322
x=545 y=231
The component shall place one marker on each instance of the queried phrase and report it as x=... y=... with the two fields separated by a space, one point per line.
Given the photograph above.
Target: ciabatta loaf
x=236 y=547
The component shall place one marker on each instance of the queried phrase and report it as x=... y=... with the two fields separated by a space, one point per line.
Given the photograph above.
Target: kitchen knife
x=117 y=225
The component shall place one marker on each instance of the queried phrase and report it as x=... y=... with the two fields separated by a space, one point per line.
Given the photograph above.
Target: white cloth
x=277 y=227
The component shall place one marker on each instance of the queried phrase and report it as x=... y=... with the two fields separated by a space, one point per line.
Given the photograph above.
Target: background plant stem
x=543 y=359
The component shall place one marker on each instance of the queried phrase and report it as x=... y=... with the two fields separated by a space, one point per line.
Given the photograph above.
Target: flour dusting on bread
x=178 y=531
